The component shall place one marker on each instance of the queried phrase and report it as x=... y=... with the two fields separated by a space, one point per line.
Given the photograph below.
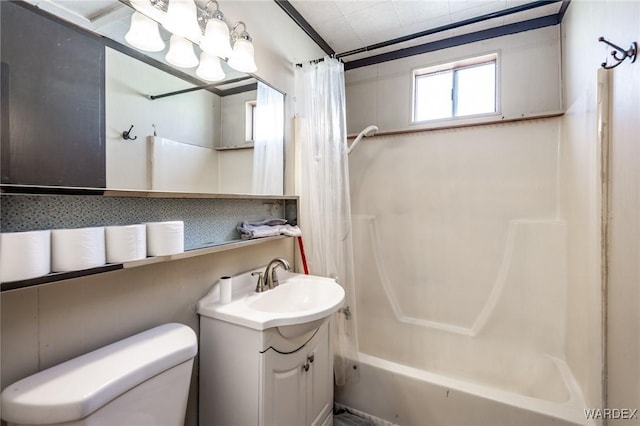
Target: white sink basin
x=299 y=299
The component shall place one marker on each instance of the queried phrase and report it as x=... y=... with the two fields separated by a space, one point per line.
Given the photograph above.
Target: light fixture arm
x=206 y=7
x=216 y=14
x=235 y=35
x=160 y=4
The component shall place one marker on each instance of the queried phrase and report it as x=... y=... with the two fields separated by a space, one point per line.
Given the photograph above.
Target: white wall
x=233 y=117
x=192 y=118
x=529 y=68
x=235 y=171
x=458 y=248
x=48 y=324
x=619 y=22
x=43 y=326
x=375 y=96
x=279 y=44
x=197 y=170
x=425 y=184
x=235 y=167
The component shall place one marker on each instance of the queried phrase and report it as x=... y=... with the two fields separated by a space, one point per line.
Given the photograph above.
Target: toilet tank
x=143 y=379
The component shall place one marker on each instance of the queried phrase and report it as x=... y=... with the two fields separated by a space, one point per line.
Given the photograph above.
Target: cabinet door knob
x=305 y=367
x=311 y=357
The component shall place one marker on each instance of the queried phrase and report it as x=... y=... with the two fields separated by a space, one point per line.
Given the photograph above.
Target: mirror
x=196 y=141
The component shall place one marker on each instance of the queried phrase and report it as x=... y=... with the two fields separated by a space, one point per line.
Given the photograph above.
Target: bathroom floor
x=342 y=417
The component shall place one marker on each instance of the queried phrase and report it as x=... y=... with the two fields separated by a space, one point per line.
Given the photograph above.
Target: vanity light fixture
x=181 y=52
x=242 y=56
x=210 y=69
x=216 y=33
x=144 y=33
x=183 y=19
x=154 y=9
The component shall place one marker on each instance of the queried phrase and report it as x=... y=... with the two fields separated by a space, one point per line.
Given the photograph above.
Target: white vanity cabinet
x=252 y=377
x=298 y=387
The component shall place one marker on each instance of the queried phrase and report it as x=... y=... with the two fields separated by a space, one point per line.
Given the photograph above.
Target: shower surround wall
x=461 y=258
x=466 y=265
x=584 y=22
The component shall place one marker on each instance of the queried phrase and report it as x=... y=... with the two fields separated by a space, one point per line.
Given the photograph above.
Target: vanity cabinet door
x=320 y=378
x=53 y=120
x=298 y=386
x=283 y=393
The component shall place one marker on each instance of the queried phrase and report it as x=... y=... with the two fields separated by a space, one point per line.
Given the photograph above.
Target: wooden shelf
x=202 y=251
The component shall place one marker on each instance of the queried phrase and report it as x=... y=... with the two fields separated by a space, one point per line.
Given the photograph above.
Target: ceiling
x=347 y=25
x=341 y=26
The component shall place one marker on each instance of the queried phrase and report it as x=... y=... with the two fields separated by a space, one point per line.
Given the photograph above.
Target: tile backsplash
x=207 y=221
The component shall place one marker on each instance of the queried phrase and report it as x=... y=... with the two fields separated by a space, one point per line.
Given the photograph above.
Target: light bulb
x=147 y=9
x=216 y=38
x=182 y=20
x=181 y=52
x=242 y=57
x=144 y=34
x=210 y=68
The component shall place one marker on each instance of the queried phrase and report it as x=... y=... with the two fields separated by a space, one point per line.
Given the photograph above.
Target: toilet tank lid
x=78 y=387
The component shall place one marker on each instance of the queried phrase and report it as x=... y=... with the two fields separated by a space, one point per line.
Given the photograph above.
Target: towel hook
x=126 y=135
x=631 y=53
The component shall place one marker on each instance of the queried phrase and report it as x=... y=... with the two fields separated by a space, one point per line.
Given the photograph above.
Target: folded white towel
x=267 y=228
x=270 y=222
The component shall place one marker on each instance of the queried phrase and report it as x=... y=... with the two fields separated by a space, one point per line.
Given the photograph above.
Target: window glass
x=476 y=90
x=457 y=89
x=433 y=96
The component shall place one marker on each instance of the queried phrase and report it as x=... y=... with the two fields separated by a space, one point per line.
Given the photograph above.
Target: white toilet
x=141 y=380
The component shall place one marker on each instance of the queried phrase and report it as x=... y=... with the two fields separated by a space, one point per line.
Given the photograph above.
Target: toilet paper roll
x=75 y=249
x=226 y=292
x=24 y=255
x=164 y=238
x=125 y=243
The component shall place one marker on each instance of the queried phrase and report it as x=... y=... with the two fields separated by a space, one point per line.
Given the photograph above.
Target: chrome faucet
x=269 y=279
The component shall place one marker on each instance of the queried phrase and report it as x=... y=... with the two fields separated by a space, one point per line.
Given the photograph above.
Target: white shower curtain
x=268 y=154
x=324 y=200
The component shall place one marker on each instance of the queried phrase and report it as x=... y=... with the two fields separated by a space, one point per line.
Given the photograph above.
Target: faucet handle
x=260 y=287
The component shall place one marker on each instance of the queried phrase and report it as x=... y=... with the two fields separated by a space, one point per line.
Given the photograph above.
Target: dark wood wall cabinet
x=52 y=101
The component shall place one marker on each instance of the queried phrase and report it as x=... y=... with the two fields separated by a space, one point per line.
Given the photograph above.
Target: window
x=456 y=89
x=250 y=121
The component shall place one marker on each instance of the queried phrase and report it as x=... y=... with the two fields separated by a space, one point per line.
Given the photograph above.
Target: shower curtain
x=325 y=201
x=268 y=167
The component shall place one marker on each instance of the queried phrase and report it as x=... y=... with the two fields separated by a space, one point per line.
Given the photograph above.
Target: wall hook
x=126 y=135
x=631 y=53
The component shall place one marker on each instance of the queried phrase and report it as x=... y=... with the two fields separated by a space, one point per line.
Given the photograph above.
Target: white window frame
x=250 y=121
x=457 y=65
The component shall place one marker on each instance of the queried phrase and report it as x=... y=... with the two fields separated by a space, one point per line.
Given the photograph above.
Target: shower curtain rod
x=498 y=14
x=317 y=61
x=193 y=89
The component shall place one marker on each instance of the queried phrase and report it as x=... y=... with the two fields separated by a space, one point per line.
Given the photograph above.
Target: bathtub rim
x=571 y=410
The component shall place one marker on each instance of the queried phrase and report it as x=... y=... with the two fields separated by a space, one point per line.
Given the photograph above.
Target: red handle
x=303 y=256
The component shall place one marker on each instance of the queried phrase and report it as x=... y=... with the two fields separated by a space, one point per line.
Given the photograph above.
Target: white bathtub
x=441 y=358
x=403 y=395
